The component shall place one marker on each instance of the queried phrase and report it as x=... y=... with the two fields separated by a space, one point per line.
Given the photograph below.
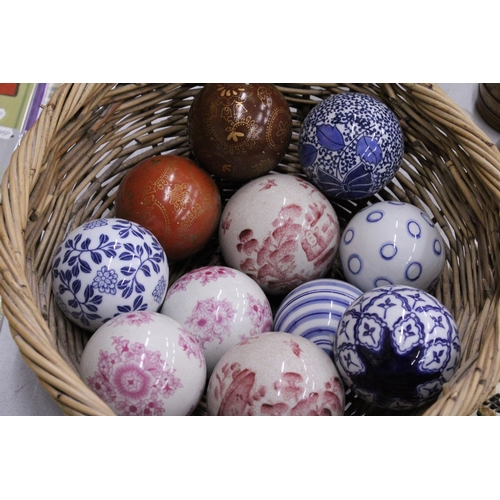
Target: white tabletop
x=21 y=394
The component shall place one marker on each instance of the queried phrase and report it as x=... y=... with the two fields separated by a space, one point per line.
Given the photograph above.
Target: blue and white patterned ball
x=396 y=347
x=106 y=267
x=351 y=145
x=313 y=310
x=391 y=243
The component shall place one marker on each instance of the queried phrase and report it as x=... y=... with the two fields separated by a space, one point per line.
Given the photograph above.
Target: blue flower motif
x=357 y=183
x=330 y=137
x=105 y=280
x=369 y=150
x=308 y=154
x=95 y=223
x=159 y=290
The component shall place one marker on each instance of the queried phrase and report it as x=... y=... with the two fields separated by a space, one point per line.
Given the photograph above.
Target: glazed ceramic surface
x=275 y=373
x=396 y=347
x=173 y=198
x=220 y=306
x=144 y=363
x=239 y=131
x=280 y=230
x=106 y=267
x=351 y=145
x=391 y=243
x=313 y=310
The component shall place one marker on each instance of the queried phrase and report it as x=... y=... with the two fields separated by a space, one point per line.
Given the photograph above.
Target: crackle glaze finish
x=239 y=131
x=280 y=230
x=391 y=243
x=396 y=347
x=220 y=307
x=273 y=374
x=351 y=145
x=145 y=364
x=106 y=267
x=313 y=310
x=175 y=199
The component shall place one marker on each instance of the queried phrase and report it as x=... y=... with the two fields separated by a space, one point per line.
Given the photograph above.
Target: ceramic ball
x=280 y=230
x=175 y=199
x=106 y=267
x=220 y=307
x=313 y=310
x=396 y=346
x=239 y=131
x=351 y=145
x=145 y=364
x=391 y=243
x=272 y=374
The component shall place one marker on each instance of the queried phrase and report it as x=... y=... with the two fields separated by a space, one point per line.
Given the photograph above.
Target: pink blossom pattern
x=226 y=223
x=136 y=318
x=190 y=346
x=238 y=394
x=133 y=378
x=295 y=347
x=273 y=260
x=268 y=184
x=211 y=320
x=260 y=315
x=204 y=275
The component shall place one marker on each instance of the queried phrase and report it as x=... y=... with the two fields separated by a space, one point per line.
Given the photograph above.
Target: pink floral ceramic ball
x=220 y=307
x=280 y=230
x=275 y=373
x=145 y=364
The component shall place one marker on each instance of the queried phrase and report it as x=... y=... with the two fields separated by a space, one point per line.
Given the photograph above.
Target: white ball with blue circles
x=107 y=267
x=351 y=145
x=392 y=243
x=313 y=310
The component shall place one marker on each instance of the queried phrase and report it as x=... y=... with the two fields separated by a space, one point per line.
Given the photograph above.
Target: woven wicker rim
x=68 y=166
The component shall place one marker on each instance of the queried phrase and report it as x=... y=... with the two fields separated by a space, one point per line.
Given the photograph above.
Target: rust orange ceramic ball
x=175 y=199
x=239 y=131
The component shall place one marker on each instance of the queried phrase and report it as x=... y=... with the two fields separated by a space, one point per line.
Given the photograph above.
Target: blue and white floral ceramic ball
x=396 y=346
x=106 y=267
x=351 y=146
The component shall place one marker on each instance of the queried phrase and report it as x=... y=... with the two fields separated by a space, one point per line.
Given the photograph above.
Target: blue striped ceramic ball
x=313 y=310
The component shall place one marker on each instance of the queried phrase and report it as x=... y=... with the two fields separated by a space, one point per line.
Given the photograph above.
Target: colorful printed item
x=239 y=131
x=173 y=198
x=145 y=364
x=351 y=145
x=313 y=310
x=391 y=243
x=220 y=307
x=396 y=347
x=106 y=267
x=280 y=230
x=273 y=374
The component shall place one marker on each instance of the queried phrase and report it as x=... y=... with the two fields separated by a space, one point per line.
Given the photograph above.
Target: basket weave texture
x=68 y=167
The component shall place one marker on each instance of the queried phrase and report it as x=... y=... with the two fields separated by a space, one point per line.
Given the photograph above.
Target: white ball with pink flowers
x=143 y=363
x=220 y=307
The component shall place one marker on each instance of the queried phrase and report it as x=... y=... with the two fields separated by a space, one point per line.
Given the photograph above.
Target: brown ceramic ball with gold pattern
x=175 y=199
x=239 y=131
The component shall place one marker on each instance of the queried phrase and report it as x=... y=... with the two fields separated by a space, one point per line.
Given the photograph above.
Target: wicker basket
x=67 y=169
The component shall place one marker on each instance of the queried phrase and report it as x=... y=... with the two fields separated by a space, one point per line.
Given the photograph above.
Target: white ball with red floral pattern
x=280 y=230
x=220 y=307
x=145 y=364
x=275 y=374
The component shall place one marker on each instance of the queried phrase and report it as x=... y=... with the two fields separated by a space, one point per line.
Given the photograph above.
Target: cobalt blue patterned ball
x=313 y=310
x=351 y=145
x=391 y=243
x=396 y=346
x=106 y=267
